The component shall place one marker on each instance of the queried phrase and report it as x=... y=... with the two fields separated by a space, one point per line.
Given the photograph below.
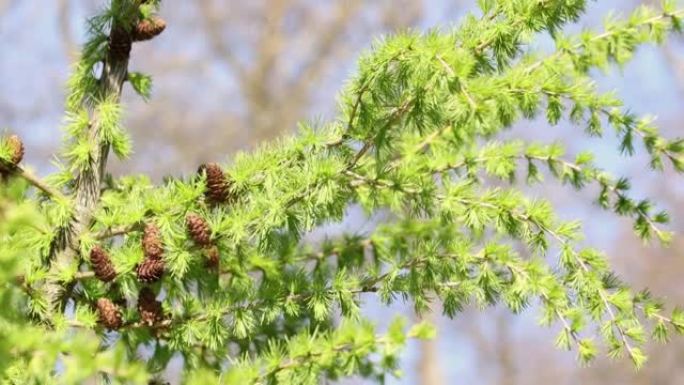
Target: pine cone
x=119 y=44
x=17 y=148
x=217 y=190
x=213 y=258
x=151 y=242
x=198 y=229
x=148 y=28
x=102 y=264
x=109 y=313
x=149 y=308
x=150 y=270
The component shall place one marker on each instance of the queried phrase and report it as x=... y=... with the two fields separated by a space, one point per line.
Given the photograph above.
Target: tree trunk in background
x=429 y=368
x=504 y=350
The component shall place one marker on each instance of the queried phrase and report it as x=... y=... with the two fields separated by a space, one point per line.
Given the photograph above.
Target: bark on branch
x=87 y=187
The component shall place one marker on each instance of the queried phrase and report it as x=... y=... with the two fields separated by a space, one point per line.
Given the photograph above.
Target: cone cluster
x=149 y=308
x=152 y=267
x=148 y=28
x=109 y=314
x=102 y=264
x=217 y=185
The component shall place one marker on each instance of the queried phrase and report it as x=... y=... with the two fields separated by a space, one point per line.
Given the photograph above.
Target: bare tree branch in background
x=213 y=23
x=64 y=21
x=676 y=62
x=274 y=95
x=5 y=5
x=280 y=57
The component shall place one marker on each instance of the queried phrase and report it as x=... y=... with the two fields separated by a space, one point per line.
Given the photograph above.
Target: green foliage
x=416 y=139
x=141 y=83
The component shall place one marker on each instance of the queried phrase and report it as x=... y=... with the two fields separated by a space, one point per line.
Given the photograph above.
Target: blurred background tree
x=230 y=74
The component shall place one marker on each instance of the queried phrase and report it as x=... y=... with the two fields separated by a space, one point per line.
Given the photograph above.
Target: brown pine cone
x=213 y=258
x=151 y=242
x=17 y=148
x=150 y=270
x=149 y=308
x=119 y=44
x=109 y=314
x=149 y=28
x=217 y=190
x=198 y=229
x=102 y=264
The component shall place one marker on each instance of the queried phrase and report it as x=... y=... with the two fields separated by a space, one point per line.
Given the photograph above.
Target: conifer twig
x=39 y=183
x=603 y=35
x=601 y=292
x=565 y=243
x=116 y=231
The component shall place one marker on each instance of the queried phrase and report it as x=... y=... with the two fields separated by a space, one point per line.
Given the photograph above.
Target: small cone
x=150 y=270
x=17 y=147
x=149 y=308
x=198 y=229
x=102 y=264
x=149 y=28
x=151 y=242
x=109 y=314
x=119 y=44
x=217 y=185
x=213 y=258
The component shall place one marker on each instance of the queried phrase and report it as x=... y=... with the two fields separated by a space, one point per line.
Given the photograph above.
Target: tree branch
x=87 y=184
x=35 y=181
